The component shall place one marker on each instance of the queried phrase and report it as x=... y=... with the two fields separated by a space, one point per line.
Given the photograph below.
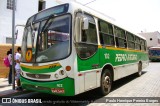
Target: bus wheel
x=139 y=70
x=106 y=82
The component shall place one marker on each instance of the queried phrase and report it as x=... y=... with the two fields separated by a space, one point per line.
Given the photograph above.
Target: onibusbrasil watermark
x=83 y=101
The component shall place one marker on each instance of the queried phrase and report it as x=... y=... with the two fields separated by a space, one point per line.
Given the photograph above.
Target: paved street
x=148 y=85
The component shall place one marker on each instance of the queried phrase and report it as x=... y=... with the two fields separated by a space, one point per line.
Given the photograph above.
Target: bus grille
x=38 y=76
x=37 y=87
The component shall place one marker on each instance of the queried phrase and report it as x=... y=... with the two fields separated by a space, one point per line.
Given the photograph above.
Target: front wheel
x=106 y=82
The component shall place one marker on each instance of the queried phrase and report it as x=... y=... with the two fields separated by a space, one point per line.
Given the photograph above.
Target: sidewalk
x=5 y=89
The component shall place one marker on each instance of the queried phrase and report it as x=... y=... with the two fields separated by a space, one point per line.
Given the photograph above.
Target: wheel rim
x=106 y=84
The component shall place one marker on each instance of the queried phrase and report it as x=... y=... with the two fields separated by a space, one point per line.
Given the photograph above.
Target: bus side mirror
x=85 y=23
x=80 y=24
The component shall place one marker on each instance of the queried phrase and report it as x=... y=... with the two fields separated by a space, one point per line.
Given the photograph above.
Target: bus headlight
x=56 y=75
x=61 y=72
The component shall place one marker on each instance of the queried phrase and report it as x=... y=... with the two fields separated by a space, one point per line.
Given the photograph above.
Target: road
x=148 y=85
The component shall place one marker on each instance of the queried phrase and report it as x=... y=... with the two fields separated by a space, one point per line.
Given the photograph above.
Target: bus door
x=87 y=51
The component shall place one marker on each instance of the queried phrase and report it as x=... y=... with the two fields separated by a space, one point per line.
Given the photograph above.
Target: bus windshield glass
x=47 y=39
x=54 y=41
x=155 y=52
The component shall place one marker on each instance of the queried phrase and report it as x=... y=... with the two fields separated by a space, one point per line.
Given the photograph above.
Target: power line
x=89 y=2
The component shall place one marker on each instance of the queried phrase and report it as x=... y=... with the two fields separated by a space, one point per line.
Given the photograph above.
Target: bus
x=154 y=53
x=70 y=49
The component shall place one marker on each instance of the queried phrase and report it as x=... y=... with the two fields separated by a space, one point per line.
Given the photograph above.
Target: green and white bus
x=70 y=49
x=154 y=53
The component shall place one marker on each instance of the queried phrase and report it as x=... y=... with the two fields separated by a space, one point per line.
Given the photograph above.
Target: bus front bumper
x=63 y=87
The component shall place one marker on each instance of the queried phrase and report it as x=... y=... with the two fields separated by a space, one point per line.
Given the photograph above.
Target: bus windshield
x=154 y=52
x=47 y=40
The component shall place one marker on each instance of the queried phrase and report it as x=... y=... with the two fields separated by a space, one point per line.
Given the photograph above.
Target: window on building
x=106 y=33
x=120 y=37
x=9 y=40
x=41 y=5
x=10 y=4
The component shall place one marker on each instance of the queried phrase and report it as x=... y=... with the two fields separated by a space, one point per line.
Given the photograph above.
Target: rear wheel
x=106 y=82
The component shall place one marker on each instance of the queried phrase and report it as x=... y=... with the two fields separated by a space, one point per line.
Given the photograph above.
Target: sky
x=134 y=15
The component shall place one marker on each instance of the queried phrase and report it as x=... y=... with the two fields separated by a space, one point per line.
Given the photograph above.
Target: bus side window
x=89 y=35
x=143 y=48
x=130 y=40
x=84 y=36
x=120 y=37
x=141 y=44
x=88 y=45
x=137 y=43
x=146 y=45
x=106 y=33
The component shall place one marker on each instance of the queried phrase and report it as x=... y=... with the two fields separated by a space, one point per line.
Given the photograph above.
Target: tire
x=106 y=82
x=139 y=73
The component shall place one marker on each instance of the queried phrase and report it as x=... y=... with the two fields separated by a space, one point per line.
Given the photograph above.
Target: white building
x=153 y=38
x=24 y=9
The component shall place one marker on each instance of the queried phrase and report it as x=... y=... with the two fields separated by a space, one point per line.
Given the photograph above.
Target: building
x=23 y=10
x=153 y=38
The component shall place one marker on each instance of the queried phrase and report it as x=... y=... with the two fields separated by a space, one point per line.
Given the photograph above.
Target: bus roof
x=155 y=47
x=99 y=15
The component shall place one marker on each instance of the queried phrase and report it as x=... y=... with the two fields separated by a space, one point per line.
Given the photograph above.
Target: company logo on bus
x=29 y=55
x=37 y=76
x=57 y=90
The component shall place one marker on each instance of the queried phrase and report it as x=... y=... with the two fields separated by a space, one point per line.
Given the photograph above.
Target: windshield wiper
x=51 y=16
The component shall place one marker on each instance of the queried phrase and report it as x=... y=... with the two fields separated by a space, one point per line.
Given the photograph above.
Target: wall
x=51 y=3
x=152 y=42
x=3 y=50
x=155 y=36
x=24 y=9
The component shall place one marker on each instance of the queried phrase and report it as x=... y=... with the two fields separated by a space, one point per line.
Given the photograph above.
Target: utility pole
x=13 y=32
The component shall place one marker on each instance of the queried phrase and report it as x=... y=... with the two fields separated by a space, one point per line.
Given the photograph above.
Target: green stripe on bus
x=45 y=87
x=112 y=56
